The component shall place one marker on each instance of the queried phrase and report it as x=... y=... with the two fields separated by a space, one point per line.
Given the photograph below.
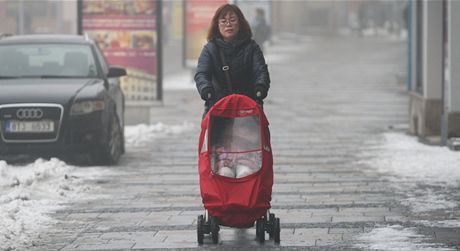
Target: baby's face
x=220 y=149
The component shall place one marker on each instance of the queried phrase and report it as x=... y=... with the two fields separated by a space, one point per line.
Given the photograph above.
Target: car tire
x=110 y=153
x=123 y=150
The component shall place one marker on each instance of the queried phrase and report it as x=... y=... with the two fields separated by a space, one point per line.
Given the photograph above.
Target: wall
x=34 y=17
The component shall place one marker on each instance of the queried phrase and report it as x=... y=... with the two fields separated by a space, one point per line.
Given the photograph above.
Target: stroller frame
x=207 y=224
x=264 y=220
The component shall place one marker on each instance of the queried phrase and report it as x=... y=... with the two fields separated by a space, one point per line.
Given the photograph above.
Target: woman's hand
x=207 y=93
x=261 y=92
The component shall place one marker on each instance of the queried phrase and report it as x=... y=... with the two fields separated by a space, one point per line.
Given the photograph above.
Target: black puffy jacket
x=247 y=69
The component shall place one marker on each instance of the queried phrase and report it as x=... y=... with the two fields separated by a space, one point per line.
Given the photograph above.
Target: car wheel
x=122 y=142
x=111 y=152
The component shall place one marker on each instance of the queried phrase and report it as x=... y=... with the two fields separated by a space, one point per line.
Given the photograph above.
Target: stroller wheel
x=271 y=222
x=214 y=230
x=257 y=228
x=199 y=229
x=276 y=230
x=260 y=230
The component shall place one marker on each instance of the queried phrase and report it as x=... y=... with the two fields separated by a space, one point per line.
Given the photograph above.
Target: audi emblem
x=29 y=113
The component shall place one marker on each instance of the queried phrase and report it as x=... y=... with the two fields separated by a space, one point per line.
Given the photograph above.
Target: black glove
x=261 y=92
x=207 y=93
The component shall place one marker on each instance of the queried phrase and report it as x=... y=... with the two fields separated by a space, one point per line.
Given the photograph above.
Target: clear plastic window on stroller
x=235 y=146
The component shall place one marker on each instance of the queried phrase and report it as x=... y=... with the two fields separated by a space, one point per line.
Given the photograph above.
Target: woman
x=230 y=34
x=260 y=28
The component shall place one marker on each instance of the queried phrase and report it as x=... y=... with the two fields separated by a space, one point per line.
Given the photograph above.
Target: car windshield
x=46 y=60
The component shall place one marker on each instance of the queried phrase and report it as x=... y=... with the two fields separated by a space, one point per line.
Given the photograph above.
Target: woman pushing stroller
x=235 y=157
x=230 y=34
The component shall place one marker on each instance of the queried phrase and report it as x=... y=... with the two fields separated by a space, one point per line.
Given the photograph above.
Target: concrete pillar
x=69 y=17
x=432 y=65
x=426 y=106
x=452 y=102
x=21 y=17
x=414 y=18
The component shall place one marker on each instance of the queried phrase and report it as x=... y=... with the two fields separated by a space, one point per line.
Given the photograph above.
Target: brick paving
x=328 y=97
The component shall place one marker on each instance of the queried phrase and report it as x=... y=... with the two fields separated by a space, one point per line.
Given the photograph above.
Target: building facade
x=434 y=69
x=38 y=17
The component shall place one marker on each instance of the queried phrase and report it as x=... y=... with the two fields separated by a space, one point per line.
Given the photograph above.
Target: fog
x=285 y=18
x=296 y=19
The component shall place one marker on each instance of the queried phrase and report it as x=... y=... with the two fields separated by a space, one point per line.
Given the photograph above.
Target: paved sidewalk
x=328 y=98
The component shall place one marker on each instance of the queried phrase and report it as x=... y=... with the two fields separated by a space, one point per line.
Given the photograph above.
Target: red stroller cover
x=235 y=162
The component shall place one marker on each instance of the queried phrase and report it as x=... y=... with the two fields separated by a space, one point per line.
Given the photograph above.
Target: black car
x=58 y=96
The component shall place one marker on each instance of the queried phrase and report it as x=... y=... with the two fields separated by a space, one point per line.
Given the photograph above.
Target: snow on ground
x=396 y=238
x=429 y=175
x=138 y=135
x=426 y=199
x=407 y=158
x=30 y=192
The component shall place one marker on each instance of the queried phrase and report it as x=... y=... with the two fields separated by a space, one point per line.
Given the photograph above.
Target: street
x=331 y=106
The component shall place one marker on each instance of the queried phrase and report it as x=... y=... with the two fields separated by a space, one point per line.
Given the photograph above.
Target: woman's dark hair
x=221 y=12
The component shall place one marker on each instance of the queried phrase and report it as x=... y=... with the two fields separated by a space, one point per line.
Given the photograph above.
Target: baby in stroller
x=236 y=170
x=236 y=165
x=237 y=153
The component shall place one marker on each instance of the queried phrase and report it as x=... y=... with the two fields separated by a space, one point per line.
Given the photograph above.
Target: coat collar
x=229 y=46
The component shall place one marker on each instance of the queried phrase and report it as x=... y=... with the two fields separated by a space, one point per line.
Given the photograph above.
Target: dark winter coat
x=247 y=69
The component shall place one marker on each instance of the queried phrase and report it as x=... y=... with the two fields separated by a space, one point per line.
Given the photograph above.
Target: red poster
x=198 y=18
x=125 y=30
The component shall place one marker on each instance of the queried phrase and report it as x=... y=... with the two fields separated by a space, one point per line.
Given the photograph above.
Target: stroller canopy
x=235 y=161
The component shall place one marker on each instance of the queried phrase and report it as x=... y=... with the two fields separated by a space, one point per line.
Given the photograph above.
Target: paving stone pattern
x=327 y=98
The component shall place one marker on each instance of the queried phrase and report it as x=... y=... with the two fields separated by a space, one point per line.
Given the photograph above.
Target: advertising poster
x=177 y=19
x=125 y=30
x=198 y=17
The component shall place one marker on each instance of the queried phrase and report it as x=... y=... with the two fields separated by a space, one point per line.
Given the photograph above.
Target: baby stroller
x=236 y=169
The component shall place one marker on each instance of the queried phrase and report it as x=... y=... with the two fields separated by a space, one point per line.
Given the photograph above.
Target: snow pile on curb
x=28 y=194
x=396 y=238
x=404 y=156
x=139 y=135
x=429 y=176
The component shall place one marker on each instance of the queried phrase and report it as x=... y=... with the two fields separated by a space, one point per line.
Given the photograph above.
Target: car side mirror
x=116 y=72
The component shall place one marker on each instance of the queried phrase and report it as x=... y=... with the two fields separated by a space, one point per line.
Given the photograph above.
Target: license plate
x=40 y=126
